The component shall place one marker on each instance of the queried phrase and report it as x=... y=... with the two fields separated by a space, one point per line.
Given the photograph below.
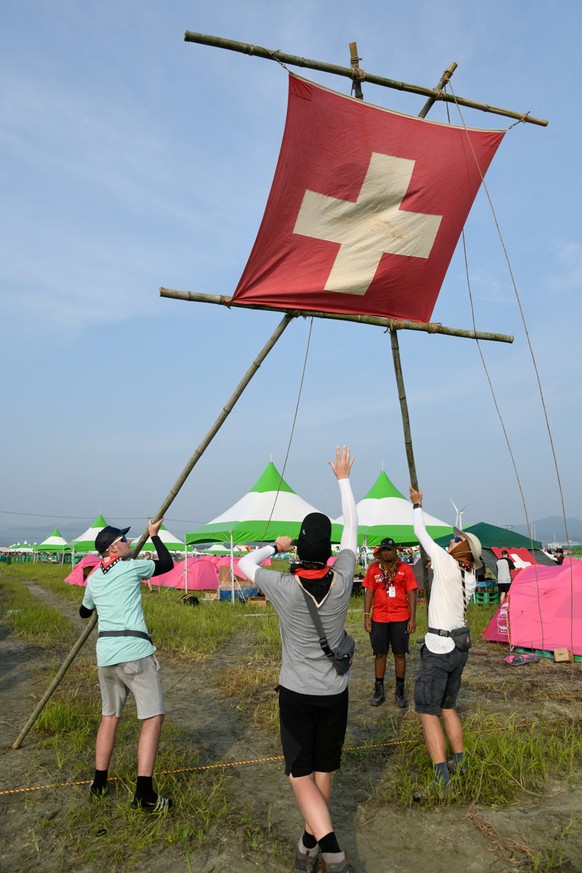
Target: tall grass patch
x=28 y=618
x=505 y=757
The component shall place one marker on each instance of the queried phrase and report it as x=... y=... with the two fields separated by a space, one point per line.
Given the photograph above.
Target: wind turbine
x=459 y=515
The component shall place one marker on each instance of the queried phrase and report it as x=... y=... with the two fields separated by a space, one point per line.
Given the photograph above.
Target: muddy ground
x=455 y=837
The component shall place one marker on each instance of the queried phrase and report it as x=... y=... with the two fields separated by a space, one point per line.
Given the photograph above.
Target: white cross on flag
x=365 y=209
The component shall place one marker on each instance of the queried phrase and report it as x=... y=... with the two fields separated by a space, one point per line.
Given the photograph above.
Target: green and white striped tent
x=270 y=509
x=54 y=543
x=172 y=543
x=85 y=542
x=385 y=512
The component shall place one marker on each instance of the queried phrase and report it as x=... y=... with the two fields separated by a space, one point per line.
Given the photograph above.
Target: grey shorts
x=141 y=677
x=438 y=680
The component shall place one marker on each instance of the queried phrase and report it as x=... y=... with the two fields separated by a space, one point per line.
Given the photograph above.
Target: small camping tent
x=543 y=609
x=78 y=575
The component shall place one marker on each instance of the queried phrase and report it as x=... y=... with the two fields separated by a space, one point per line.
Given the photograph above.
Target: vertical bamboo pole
x=398 y=364
x=355 y=63
x=165 y=505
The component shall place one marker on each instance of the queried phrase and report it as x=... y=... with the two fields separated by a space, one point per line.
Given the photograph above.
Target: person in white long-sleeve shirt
x=313 y=697
x=441 y=666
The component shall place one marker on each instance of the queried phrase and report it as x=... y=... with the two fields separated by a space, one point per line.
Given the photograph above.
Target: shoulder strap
x=317 y=622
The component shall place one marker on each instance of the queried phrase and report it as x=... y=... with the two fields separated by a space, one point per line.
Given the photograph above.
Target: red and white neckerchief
x=107 y=563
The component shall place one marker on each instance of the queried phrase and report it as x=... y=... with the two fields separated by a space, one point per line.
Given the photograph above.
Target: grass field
x=522 y=733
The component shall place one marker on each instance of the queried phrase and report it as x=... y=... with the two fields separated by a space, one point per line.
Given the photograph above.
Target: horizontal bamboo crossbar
x=349 y=73
x=386 y=323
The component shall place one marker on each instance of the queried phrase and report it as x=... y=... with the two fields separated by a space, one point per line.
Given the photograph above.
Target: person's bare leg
x=434 y=737
x=105 y=741
x=454 y=729
x=379 y=666
x=400 y=666
x=313 y=802
x=149 y=740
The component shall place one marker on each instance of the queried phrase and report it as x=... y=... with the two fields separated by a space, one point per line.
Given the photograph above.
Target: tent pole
x=231 y=568
x=186 y=567
x=226 y=410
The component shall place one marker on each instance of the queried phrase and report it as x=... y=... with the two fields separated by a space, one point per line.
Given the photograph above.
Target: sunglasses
x=122 y=539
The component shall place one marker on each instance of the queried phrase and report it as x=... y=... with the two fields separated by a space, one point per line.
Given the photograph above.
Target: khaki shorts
x=141 y=678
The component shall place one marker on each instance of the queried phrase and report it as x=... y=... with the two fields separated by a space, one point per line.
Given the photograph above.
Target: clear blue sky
x=131 y=160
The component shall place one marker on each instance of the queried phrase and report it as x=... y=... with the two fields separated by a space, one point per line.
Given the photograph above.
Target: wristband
x=417 y=505
x=366 y=613
x=276 y=547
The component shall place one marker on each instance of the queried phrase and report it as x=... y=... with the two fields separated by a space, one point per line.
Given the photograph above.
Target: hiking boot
x=378 y=696
x=160 y=805
x=400 y=698
x=306 y=862
x=342 y=866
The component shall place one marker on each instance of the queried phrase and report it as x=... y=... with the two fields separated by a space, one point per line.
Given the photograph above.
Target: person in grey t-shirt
x=313 y=698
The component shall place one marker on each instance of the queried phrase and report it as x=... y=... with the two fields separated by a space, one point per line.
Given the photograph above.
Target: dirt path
x=379 y=839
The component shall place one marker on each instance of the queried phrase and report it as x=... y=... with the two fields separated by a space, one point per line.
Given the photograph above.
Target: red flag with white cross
x=365 y=210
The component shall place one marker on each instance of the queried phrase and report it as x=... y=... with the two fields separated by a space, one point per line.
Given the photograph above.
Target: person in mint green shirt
x=126 y=662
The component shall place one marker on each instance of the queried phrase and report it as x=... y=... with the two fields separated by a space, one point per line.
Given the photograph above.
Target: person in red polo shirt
x=389 y=615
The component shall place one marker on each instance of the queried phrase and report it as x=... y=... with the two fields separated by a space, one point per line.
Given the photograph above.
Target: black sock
x=100 y=778
x=309 y=840
x=380 y=682
x=441 y=773
x=399 y=684
x=145 y=789
x=329 y=843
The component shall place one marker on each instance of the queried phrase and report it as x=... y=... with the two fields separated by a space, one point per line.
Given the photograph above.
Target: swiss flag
x=365 y=209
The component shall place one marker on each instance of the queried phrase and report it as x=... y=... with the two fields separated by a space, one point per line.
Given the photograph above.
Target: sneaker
x=400 y=699
x=307 y=863
x=95 y=792
x=160 y=805
x=343 y=866
x=378 y=696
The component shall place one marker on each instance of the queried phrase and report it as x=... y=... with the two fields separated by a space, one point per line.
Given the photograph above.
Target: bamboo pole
x=399 y=374
x=356 y=71
x=375 y=321
x=348 y=73
x=283 y=324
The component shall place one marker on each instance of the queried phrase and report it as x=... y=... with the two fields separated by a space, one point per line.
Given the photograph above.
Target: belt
x=126 y=633
x=439 y=632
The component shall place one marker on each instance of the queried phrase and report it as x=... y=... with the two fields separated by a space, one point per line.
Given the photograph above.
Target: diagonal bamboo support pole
x=226 y=410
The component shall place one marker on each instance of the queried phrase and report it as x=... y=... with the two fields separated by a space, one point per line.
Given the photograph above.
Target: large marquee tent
x=270 y=509
x=85 y=542
x=385 y=512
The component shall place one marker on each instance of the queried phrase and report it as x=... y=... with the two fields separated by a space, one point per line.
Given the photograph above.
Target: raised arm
x=342 y=468
x=420 y=532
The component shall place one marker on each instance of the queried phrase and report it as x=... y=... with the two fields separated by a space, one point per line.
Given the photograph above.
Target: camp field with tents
x=206 y=559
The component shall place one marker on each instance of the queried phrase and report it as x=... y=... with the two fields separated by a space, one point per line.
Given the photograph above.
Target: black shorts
x=504 y=586
x=313 y=730
x=438 y=680
x=389 y=634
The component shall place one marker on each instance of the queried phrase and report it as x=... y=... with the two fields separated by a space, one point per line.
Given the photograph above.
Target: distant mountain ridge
x=551 y=529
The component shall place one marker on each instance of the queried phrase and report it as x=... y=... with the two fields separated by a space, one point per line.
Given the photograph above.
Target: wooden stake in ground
x=226 y=410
